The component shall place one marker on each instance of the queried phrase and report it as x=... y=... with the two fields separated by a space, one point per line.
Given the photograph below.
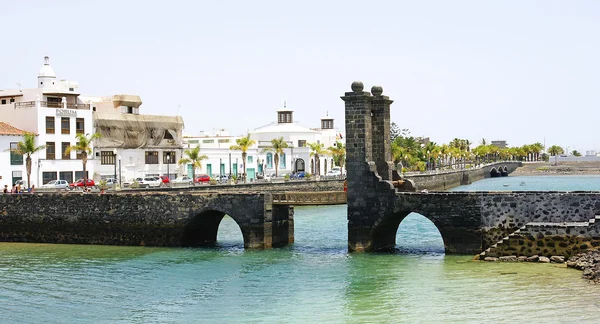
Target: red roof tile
x=6 y=129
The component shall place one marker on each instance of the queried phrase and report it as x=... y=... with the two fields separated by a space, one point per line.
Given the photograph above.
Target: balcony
x=49 y=104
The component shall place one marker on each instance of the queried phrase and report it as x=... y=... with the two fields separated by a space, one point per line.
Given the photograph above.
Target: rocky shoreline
x=589 y=262
x=562 y=168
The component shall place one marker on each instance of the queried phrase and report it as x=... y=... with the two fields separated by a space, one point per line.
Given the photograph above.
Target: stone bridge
x=515 y=223
x=154 y=219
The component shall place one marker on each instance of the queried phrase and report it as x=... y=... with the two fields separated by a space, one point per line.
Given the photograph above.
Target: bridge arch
x=456 y=239
x=418 y=234
x=504 y=171
x=495 y=173
x=203 y=226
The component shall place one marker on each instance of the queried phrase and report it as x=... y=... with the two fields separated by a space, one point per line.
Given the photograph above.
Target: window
x=301 y=143
x=64 y=148
x=151 y=157
x=208 y=141
x=223 y=140
x=4 y=101
x=193 y=141
x=15 y=159
x=65 y=125
x=282 y=160
x=48 y=176
x=66 y=175
x=171 y=155
x=107 y=158
x=168 y=135
x=284 y=117
x=12 y=100
x=79 y=155
x=130 y=110
x=50 y=151
x=79 y=126
x=249 y=159
x=79 y=175
x=269 y=160
x=327 y=124
x=49 y=125
x=16 y=176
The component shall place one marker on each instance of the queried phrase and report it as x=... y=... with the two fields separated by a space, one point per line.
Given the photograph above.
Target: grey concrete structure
x=158 y=219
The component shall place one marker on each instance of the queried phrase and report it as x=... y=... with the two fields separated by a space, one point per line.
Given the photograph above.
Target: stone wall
x=446 y=180
x=157 y=219
x=301 y=185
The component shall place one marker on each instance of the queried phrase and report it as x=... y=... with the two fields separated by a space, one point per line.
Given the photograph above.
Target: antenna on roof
x=284 y=104
x=327 y=113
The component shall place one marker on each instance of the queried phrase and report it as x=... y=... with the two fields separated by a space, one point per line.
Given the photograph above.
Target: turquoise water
x=314 y=280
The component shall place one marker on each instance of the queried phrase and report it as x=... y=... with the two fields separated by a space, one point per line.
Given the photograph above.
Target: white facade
x=12 y=166
x=222 y=160
x=56 y=114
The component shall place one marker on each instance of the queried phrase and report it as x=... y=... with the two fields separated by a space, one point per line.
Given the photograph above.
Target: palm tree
x=277 y=146
x=84 y=145
x=555 y=150
x=338 y=152
x=243 y=144
x=27 y=147
x=317 y=151
x=194 y=157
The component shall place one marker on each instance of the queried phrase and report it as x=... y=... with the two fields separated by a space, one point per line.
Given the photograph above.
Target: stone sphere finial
x=357 y=86
x=376 y=90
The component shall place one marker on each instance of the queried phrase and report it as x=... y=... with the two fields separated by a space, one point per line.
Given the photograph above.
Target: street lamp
x=229 y=164
x=114 y=182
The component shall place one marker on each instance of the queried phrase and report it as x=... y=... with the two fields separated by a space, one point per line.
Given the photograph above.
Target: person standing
x=5 y=189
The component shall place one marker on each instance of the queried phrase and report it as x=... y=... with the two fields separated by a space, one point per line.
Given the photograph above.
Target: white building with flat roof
x=296 y=158
x=54 y=112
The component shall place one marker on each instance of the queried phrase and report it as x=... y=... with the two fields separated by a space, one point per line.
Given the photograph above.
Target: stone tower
x=369 y=166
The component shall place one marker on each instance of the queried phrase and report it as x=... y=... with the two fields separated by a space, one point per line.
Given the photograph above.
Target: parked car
x=79 y=183
x=184 y=179
x=333 y=173
x=223 y=178
x=148 y=182
x=129 y=183
x=203 y=178
x=57 y=184
x=298 y=175
x=110 y=182
x=165 y=179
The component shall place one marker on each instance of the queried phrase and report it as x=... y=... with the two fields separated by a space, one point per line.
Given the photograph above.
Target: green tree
x=555 y=151
x=83 y=146
x=316 y=151
x=338 y=152
x=27 y=147
x=194 y=158
x=243 y=144
x=576 y=153
x=277 y=147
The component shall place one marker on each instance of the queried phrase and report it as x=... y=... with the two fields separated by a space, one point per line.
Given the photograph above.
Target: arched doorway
x=494 y=173
x=416 y=234
x=299 y=165
x=210 y=228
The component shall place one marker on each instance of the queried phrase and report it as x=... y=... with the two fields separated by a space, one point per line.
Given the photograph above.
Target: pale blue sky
x=514 y=70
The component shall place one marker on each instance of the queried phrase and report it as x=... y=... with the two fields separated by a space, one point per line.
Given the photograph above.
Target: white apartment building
x=12 y=166
x=296 y=158
x=132 y=144
x=54 y=112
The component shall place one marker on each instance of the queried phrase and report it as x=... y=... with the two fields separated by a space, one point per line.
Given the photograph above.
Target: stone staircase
x=524 y=230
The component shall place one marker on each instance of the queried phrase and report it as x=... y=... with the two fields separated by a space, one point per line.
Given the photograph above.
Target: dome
x=46 y=71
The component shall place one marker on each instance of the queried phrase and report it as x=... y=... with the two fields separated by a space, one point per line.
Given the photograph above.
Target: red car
x=165 y=179
x=203 y=178
x=79 y=183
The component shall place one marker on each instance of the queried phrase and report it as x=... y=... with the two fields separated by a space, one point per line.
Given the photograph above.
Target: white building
x=55 y=112
x=132 y=144
x=12 y=166
x=296 y=158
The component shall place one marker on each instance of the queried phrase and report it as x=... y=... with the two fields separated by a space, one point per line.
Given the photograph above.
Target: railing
x=51 y=104
x=310 y=198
